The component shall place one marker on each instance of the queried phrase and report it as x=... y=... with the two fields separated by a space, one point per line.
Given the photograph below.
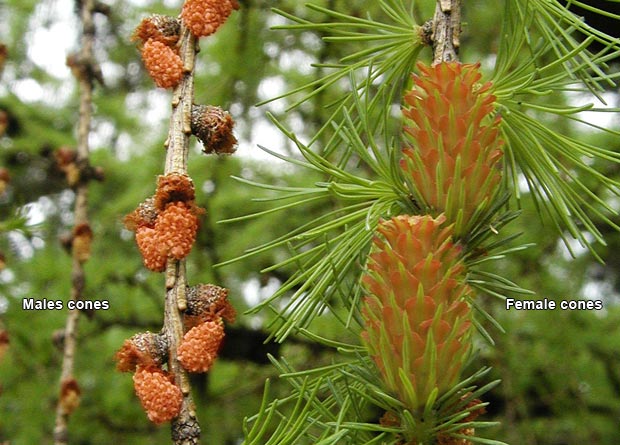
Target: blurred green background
x=560 y=370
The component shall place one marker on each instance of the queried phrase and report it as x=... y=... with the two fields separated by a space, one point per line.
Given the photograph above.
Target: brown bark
x=446 y=31
x=185 y=427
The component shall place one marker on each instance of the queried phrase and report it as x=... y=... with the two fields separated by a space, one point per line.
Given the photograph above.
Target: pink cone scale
x=417 y=320
x=451 y=122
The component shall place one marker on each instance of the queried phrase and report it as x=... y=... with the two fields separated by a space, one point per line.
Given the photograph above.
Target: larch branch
x=185 y=427
x=85 y=70
x=446 y=31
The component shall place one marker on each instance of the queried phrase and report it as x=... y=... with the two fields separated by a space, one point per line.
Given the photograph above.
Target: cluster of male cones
x=159 y=38
x=166 y=224
x=416 y=312
x=159 y=35
x=146 y=353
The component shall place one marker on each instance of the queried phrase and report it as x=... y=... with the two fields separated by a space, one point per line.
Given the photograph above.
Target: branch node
x=446 y=5
x=181 y=299
x=171 y=273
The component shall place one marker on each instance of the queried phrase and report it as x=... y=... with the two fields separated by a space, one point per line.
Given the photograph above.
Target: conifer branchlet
x=166 y=226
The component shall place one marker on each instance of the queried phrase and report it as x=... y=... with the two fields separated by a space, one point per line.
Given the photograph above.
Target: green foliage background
x=560 y=370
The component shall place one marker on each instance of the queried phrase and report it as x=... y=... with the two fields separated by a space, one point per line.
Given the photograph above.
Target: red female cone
x=453 y=164
x=417 y=323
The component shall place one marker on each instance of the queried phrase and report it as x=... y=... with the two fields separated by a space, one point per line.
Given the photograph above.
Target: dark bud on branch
x=5 y=179
x=58 y=339
x=66 y=241
x=69 y=395
x=4 y=119
x=214 y=127
x=82 y=240
x=9 y=124
x=4 y=342
x=426 y=33
x=161 y=28
x=144 y=215
x=66 y=158
x=84 y=69
x=76 y=172
x=207 y=302
x=143 y=349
